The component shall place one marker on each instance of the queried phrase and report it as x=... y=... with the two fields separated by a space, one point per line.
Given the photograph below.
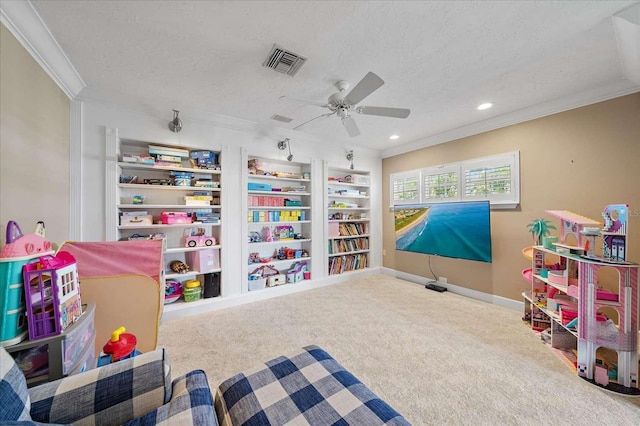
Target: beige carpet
x=438 y=358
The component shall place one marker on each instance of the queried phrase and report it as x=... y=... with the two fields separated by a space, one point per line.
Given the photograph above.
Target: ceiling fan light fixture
x=484 y=106
x=394 y=137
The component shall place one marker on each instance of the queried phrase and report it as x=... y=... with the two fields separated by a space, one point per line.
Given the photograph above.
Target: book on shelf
x=352 y=262
x=164 y=150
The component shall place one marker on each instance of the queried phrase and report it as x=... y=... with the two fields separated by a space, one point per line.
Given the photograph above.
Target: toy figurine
x=179 y=267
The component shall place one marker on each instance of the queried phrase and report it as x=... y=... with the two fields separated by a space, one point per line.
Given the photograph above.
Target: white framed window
x=495 y=178
x=440 y=183
x=405 y=188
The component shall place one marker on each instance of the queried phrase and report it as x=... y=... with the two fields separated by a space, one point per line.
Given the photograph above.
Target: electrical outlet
x=442 y=279
x=384 y=252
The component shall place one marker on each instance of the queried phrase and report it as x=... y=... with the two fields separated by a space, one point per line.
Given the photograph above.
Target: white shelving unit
x=278 y=207
x=159 y=198
x=347 y=212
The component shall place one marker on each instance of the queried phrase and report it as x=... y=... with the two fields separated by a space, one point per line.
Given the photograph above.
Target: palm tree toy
x=540 y=228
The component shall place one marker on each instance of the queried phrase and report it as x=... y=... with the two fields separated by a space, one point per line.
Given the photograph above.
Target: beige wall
x=580 y=160
x=34 y=144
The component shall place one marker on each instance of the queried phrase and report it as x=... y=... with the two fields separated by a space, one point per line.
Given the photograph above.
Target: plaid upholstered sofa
x=135 y=391
x=306 y=387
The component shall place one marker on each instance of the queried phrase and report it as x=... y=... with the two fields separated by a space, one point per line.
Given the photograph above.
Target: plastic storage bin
x=68 y=353
x=257 y=284
x=76 y=340
x=172 y=218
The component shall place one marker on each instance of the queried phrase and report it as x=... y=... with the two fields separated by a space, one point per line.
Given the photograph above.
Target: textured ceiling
x=440 y=59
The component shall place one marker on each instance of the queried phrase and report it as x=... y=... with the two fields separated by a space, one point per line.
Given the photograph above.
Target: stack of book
x=168 y=157
x=198 y=200
x=207 y=217
x=206 y=183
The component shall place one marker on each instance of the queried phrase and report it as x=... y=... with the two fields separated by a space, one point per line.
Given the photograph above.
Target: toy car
x=199 y=240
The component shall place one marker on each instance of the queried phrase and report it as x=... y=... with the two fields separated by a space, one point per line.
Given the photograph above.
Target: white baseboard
x=183 y=310
x=463 y=291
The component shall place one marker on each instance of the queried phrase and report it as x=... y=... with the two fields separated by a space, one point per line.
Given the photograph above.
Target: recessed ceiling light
x=394 y=137
x=485 y=105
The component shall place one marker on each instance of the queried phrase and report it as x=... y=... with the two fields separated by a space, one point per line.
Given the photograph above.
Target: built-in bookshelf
x=168 y=192
x=279 y=223
x=348 y=220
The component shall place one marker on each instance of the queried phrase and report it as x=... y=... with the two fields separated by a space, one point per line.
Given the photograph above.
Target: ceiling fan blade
x=351 y=126
x=314 y=118
x=304 y=101
x=384 y=111
x=369 y=84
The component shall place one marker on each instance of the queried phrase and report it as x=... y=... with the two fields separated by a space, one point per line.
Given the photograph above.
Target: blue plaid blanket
x=307 y=388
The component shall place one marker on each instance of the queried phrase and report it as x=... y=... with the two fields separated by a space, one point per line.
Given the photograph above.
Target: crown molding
x=544 y=109
x=26 y=25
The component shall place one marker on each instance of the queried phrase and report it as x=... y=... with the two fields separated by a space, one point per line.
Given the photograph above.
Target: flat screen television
x=460 y=230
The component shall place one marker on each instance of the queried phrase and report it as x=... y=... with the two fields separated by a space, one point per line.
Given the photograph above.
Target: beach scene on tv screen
x=460 y=230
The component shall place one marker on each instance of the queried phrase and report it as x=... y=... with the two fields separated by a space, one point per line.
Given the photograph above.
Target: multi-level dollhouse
x=590 y=301
x=52 y=294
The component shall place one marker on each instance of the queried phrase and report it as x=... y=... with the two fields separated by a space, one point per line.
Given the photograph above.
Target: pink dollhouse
x=606 y=320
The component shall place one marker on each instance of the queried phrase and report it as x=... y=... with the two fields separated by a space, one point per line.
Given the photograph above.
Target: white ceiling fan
x=343 y=106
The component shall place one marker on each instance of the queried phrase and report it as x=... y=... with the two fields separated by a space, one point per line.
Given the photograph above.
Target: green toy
x=540 y=228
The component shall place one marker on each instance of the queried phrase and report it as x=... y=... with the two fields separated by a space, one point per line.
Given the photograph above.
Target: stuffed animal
x=179 y=267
